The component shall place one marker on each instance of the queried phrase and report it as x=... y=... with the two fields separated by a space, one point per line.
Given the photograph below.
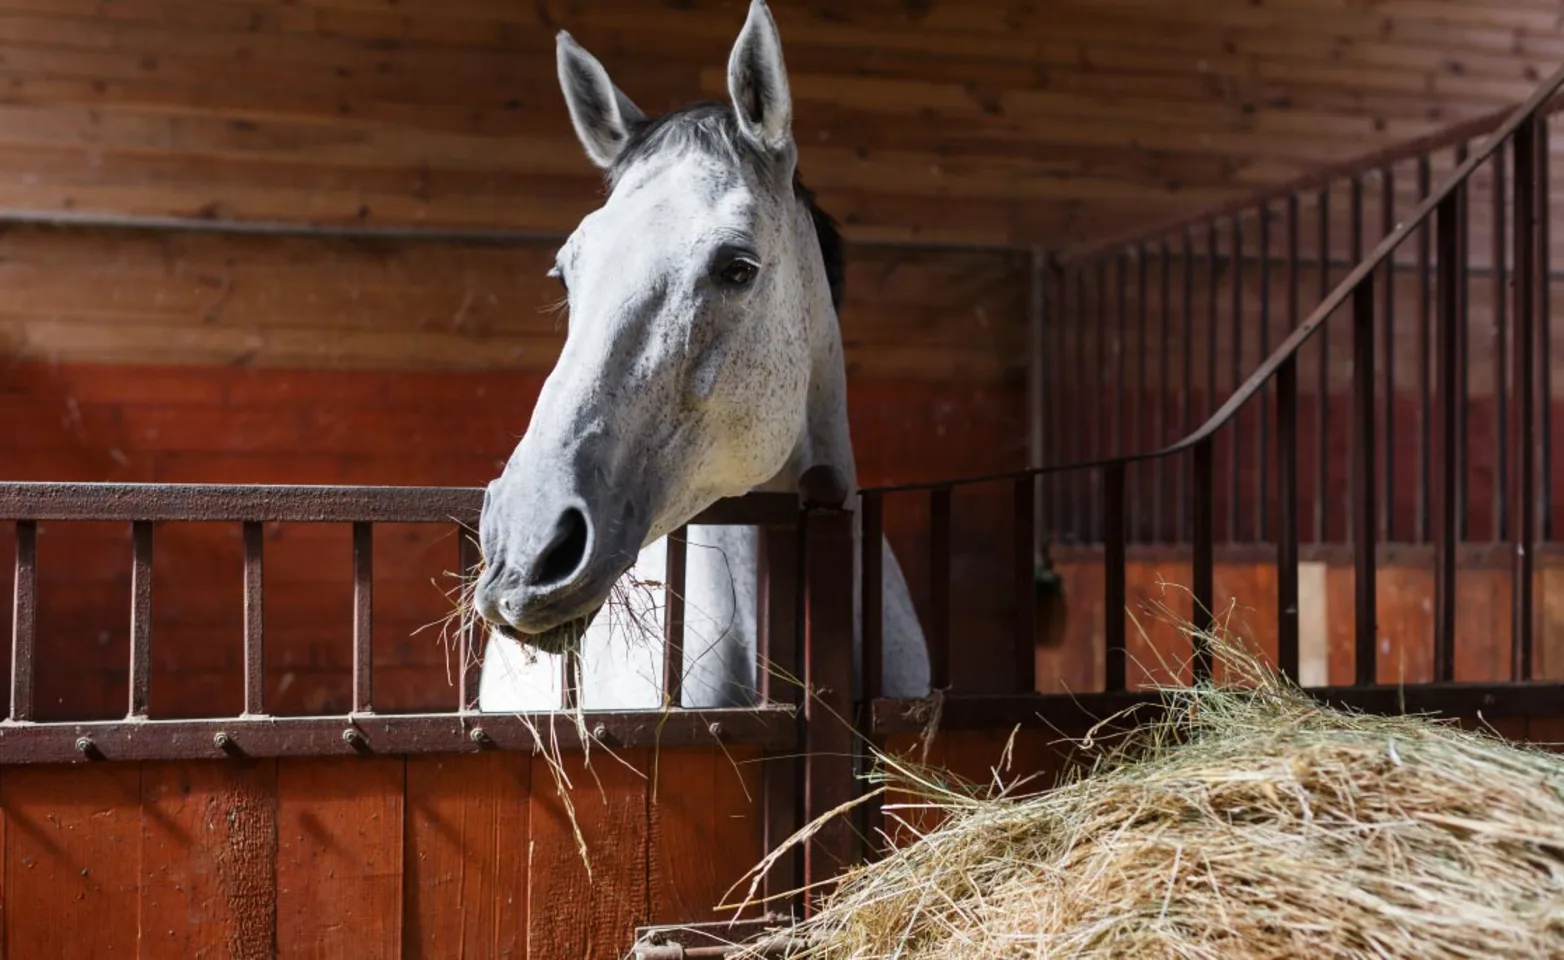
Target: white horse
x=703 y=361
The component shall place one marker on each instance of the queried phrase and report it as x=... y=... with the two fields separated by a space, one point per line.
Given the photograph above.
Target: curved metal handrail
x=1289 y=347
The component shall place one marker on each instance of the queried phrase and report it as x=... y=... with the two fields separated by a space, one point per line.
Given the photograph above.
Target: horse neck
x=825 y=438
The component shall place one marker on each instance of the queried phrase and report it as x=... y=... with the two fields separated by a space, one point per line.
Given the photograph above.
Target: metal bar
x=1100 y=429
x=1164 y=398
x=363 y=616
x=1263 y=427
x=1527 y=175
x=1287 y=509
x=1355 y=254
x=24 y=619
x=778 y=615
x=1024 y=520
x=159 y=502
x=1075 y=711
x=1235 y=446
x=1113 y=609
x=1544 y=227
x=140 y=616
x=1085 y=424
x=1463 y=262
x=1204 y=575
x=570 y=680
x=1387 y=219
x=1364 y=490
x=830 y=747
x=1211 y=344
x=1447 y=529
x=939 y=587
x=673 y=617
x=469 y=565
x=1322 y=393
x=1425 y=484
x=1501 y=353
x=254 y=620
x=872 y=516
x=1142 y=413
x=1122 y=430
x=1185 y=524
x=385 y=734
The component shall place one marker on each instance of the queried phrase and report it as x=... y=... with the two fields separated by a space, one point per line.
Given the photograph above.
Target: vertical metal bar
x=673 y=617
x=830 y=747
x=1101 y=443
x=570 y=680
x=1501 y=353
x=1322 y=392
x=469 y=554
x=140 y=616
x=363 y=616
x=24 y=619
x=254 y=619
x=1448 y=527
x=1263 y=427
x=1113 y=604
x=1164 y=396
x=1526 y=216
x=1544 y=321
x=1364 y=490
x=1185 y=524
x=1287 y=510
x=1235 y=427
x=1204 y=560
x=939 y=587
x=1425 y=349
x=779 y=609
x=1387 y=221
x=1463 y=262
x=1079 y=484
x=1354 y=257
x=1024 y=520
x=1142 y=413
x=1212 y=338
x=872 y=512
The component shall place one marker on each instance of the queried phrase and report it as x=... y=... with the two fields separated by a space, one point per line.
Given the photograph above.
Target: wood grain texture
x=588 y=907
x=339 y=857
x=72 y=860
x=466 y=855
x=706 y=831
x=948 y=121
x=208 y=864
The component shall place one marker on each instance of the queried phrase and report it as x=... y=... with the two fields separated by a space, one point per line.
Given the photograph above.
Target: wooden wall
x=948 y=120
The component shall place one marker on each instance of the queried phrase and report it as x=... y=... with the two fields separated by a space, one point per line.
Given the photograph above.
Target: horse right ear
x=602 y=115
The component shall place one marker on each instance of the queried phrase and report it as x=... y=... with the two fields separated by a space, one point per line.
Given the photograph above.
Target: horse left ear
x=757 y=82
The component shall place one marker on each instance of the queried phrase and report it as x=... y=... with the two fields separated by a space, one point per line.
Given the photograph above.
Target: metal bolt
x=478 y=735
x=600 y=731
x=85 y=746
x=352 y=736
x=715 y=729
x=221 y=740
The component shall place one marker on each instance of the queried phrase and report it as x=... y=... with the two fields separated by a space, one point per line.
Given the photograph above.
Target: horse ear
x=602 y=115
x=757 y=82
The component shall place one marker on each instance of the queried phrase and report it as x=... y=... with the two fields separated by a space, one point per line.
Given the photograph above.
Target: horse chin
x=564 y=638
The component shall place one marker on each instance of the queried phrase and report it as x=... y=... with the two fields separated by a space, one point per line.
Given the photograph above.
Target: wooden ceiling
x=990 y=122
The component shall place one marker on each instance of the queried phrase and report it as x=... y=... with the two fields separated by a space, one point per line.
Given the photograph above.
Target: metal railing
x=1089 y=499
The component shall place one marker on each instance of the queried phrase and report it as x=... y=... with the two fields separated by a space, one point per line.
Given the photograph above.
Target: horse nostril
x=565 y=551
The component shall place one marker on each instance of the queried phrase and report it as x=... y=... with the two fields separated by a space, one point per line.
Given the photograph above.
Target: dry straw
x=1242 y=821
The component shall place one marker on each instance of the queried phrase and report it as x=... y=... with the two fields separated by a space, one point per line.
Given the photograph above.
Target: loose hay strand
x=1246 y=821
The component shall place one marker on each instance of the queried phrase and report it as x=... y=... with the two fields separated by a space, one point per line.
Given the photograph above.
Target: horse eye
x=737 y=273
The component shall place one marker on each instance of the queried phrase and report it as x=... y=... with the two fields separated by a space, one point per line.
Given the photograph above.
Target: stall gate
x=443 y=834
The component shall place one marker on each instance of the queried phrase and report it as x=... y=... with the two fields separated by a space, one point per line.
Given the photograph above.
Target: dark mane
x=710 y=127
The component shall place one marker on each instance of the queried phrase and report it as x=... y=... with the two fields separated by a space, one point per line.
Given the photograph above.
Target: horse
x=702 y=360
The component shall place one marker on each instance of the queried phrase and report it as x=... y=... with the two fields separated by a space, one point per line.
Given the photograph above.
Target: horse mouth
x=563 y=638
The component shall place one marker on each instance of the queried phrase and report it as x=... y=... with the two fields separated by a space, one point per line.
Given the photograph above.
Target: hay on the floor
x=1246 y=822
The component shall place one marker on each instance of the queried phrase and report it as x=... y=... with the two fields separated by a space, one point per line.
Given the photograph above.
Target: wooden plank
x=208 y=859
x=706 y=831
x=339 y=857
x=72 y=860
x=572 y=913
x=466 y=859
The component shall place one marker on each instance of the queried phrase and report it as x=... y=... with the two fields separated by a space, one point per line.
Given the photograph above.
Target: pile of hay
x=1248 y=821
